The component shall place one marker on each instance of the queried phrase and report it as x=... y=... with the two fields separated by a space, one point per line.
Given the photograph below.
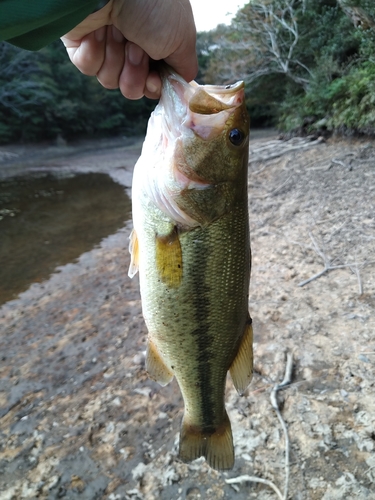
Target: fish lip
x=167 y=73
x=222 y=89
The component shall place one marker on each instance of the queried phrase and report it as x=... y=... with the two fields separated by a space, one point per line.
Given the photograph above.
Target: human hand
x=117 y=42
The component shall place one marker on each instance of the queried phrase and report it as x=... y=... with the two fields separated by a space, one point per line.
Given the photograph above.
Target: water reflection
x=48 y=221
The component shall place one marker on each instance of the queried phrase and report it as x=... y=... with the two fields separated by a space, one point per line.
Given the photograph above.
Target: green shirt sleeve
x=32 y=24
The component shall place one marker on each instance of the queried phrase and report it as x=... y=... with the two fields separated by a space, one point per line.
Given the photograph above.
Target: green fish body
x=191 y=246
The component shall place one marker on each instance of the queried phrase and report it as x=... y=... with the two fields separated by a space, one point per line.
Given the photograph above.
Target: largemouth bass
x=190 y=243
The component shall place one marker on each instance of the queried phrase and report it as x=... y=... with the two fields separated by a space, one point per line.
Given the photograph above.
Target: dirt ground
x=79 y=417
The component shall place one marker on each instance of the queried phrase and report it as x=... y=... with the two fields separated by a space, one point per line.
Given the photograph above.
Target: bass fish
x=191 y=245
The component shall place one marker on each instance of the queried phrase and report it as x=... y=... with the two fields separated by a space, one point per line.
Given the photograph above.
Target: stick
x=338 y=162
x=254 y=479
x=331 y=268
x=316 y=276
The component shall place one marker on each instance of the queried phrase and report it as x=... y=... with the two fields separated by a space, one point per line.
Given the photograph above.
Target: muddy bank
x=80 y=419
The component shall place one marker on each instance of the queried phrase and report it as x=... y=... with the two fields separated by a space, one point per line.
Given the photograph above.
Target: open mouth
x=201 y=109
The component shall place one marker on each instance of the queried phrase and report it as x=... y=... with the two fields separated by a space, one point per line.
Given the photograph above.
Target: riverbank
x=79 y=417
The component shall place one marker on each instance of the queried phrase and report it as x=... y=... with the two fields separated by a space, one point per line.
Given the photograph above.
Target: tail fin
x=216 y=447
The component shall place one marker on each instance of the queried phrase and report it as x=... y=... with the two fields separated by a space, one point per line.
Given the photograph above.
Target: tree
x=43 y=95
x=294 y=56
x=21 y=89
x=271 y=32
x=361 y=12
x=262 y=40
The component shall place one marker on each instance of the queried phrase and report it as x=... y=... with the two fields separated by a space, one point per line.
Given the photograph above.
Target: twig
x=256 y=172
x=274 y=191
x=338 y=162
x=254 y=479
x=242 y=479
x=359 y=279
x=318 y=251
x=317 y=162
x=331 y=268
x=260 y=154
x=316 y=276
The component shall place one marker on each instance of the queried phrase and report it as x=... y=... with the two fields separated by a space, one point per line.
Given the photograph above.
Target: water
x=48 y=221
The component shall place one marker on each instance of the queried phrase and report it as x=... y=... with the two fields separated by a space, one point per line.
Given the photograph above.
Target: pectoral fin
x=241 y=369
x=156 y=367
x=169 y=258
x=134 y=254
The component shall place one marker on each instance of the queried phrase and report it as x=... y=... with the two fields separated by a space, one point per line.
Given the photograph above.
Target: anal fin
x=241 y=369
x=216 y=447
x=155 y=365
x=134 y=254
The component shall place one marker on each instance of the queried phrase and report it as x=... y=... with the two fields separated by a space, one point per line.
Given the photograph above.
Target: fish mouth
x=199 y=109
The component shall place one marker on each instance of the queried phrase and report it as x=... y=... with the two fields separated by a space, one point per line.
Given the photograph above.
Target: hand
x=117 y=42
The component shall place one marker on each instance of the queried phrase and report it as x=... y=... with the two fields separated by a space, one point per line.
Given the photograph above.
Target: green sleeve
x=32 y=24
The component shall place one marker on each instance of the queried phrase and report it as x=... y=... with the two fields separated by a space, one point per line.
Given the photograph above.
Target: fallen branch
x=254 y=479
x=260 y=154
x=331 y=268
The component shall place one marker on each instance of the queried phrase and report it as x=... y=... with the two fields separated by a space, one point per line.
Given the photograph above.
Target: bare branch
x=269 y=37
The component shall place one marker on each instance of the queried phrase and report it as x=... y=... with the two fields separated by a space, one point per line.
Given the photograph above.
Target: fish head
x=207 y=128
x=195 y=156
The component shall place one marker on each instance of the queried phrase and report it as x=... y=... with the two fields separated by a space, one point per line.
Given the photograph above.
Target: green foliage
x=354 y=106
x=318 y=72
x=339 y=97
x=43 y=95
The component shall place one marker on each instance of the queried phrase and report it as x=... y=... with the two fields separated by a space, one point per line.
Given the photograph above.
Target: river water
x=48 y=221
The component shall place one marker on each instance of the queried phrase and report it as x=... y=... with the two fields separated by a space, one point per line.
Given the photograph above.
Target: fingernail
x=117 y=35
x=151 y=87
x=100 y=33
x=135 y=54
x=153 y=84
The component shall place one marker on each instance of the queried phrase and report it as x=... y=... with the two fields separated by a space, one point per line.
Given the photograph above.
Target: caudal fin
x=216 y=447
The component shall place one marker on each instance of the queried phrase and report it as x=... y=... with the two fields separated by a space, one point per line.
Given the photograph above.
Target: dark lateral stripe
x=204 y=341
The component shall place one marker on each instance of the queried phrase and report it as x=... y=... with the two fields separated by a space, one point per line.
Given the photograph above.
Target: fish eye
x=236 y=136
